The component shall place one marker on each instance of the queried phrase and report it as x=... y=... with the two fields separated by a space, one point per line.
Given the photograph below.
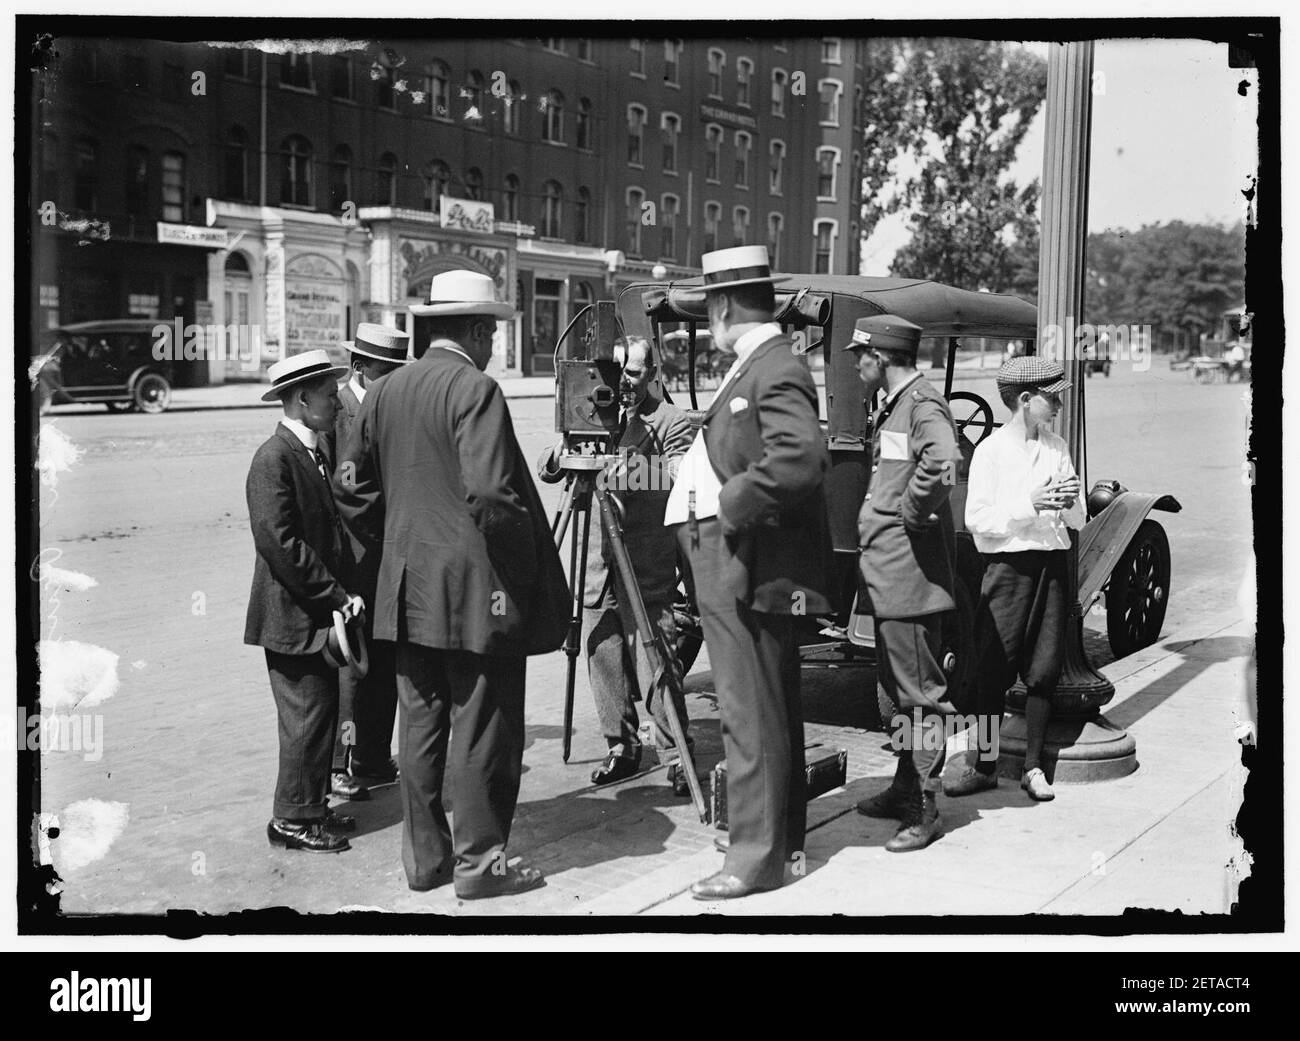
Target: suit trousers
x=306 y=692
x=462 y=715
x=755 y=661
x=620 y=669
x=907 y=667
x=1020 y=626
x=367 y=708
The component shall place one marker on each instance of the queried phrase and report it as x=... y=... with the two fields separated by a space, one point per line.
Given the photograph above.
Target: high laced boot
x=891 y=803
x=921 y=825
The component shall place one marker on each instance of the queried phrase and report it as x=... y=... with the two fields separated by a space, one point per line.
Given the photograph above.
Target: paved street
x=153 y=510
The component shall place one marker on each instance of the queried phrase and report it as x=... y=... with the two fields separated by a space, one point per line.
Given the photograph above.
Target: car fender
x=1105 y=537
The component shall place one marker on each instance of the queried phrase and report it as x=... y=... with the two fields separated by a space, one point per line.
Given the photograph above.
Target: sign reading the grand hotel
x=712 y=112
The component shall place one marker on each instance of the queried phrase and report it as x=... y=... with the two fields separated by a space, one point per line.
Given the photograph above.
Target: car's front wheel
x=152 y=393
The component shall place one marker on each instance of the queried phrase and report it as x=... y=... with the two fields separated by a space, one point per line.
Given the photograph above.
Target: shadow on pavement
x=1213 y=650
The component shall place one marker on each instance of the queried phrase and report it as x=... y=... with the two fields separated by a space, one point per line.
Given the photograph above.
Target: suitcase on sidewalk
x=825 y=769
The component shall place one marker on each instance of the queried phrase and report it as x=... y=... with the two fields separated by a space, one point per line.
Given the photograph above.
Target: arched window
x=437 y=179
x=340 y=177
x=582 y=296
x=553 y=118
x=474 y=98
x=717 y=62
x=779 y=81
x=582 y=216
x=512 y=103
x=386 y=180
x=636 y=116
x=635 y=202
x=828 y=162
x=774 y=234
x=672 y=60
x=474 y=184
x=510 y=198
x=637 y=57
x=440 y=90
x=829 y=92
x=237 y=263
x=236 y=164
x=744 y=75
x=740 y=226
x=713 y=153
x=712 y=218
x=137 y=181
x=743 y=142
x=295 y=175
x=671 y=125
x=552 y=209
x=582 y=123
x=384 y=73
x=173 y=187
x=776 y=170
x=669 y=205
x=824 y=247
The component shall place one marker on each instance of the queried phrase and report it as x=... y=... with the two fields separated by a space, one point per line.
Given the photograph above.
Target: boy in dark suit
x=751 y=514
x=297 y=587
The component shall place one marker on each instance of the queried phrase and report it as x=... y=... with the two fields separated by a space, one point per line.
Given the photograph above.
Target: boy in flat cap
x=1022 y=499
x=906 y=536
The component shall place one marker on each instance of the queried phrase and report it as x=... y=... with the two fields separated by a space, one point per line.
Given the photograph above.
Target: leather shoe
x=968 y=782
x=616 y=768
x=725 y=887
x=516 y=880
x=386 y=773
x=346 y=787
x=677 y=779
x=1035 y=783
x=887 y=805
x=919 y=827
x=338 y=821
x=308 y=836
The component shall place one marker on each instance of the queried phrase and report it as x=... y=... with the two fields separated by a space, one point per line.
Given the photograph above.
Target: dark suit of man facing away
x=469 y=584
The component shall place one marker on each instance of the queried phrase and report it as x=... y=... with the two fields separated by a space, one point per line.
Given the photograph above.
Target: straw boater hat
x=462 y=292
x=300 y=368
x=738 y=266
x=379 y=342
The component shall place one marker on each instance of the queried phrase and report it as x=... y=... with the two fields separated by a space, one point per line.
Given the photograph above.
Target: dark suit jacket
x=302 y=559
x=365 y=559
x=767 y=447
x=905 y=527
x=468 y=562
x=347 y=415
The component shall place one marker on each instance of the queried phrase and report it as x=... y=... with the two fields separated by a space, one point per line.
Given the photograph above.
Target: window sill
x=554 y=144
x=826 y=198
x=305 y=208
x=670 y=173
x=637 y=75
x=672 y=84
x=297 y=90
x=635 y=166
x=348 y=101
x=828 y=125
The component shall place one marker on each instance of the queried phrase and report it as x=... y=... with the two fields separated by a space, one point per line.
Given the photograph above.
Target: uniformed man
x=906 y=537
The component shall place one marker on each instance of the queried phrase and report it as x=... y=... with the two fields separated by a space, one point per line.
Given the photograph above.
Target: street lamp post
x=1082 y=745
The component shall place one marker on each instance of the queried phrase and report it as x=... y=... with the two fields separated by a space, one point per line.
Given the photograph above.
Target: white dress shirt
x=697 y=474
x=357 y=388
x=302 y=432
x=1004 y=472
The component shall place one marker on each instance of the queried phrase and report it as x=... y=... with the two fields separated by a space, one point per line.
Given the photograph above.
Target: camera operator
x=651 y=439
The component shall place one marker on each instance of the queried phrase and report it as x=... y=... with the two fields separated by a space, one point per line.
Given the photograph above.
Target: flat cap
x=1033 y=373
x=885 y=332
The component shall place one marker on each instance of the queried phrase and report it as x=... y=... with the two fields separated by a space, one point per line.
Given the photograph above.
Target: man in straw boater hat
x=751 y=514
x=298 y=583
x=469 y=585
x=367 y=705
x=905 y=533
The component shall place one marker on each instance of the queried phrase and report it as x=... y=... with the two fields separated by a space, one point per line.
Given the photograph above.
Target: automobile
x=1123 y=554
x=110 y=362
x=1097 y=358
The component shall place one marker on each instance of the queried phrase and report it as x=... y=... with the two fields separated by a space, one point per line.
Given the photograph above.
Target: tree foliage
x=943 y=119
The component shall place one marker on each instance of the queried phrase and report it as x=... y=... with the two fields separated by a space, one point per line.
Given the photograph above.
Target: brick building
x=301 y=193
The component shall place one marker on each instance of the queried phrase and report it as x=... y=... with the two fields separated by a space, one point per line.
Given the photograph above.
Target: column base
x=1077 y=751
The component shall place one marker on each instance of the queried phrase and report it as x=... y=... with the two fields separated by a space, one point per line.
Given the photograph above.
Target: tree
x=942 y=121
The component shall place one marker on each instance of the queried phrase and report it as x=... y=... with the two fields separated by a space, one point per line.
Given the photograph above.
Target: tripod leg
x=656 y=647
x=579 y=500
x=561 y=523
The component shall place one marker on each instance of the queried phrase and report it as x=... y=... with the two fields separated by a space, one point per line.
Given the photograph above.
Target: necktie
x=320 y=463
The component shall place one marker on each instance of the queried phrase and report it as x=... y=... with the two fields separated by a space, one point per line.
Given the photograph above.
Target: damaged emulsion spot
x=86 y=832
x=55 y=453
x=75 y=674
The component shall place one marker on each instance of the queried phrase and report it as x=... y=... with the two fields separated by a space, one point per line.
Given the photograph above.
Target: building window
x=635 y=135
x=85 y=178
x=553 y=118
x=713 y=153
x=582 y=123
x=717 y=60
x=828 y=161
x=143 y=305
x=740 y=226
x=137 y=181
x=173 y=187
x=712 y=218
x=437 y=179
x=234 y=62
x=672 y=60
x=386 y=180
x=341 y=77
x=552 y=209
x=512 y=104
x=831 y=50
x=384 y=76
x=744 y=74
x=295 y=71
x=474 y=98
x=582 y=296
x=555 y=44
x=779 y=81
x=672 y=126
x=774 y=229
x=743 y=142
x=584 y=49
x=474 y=184
x=637 y=48
x=510 y=198
x=824 y=247
x=668 y=227
x=829 y=91
x=295 y=179
x=237 y=163
x=340 y=177
x=582 y=216
x=635 y=200
x=776 y=171
x=440 y=90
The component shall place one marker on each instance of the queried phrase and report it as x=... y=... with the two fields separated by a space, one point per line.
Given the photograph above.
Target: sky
x=1171 y=140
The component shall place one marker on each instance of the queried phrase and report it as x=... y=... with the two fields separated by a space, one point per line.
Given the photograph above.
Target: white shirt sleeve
x=987 y=511
x=1075 y=515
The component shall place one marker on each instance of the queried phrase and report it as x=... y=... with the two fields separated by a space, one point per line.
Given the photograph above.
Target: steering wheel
x=972 y=415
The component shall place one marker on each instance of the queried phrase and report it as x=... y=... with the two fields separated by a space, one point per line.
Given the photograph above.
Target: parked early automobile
x=110 y=362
